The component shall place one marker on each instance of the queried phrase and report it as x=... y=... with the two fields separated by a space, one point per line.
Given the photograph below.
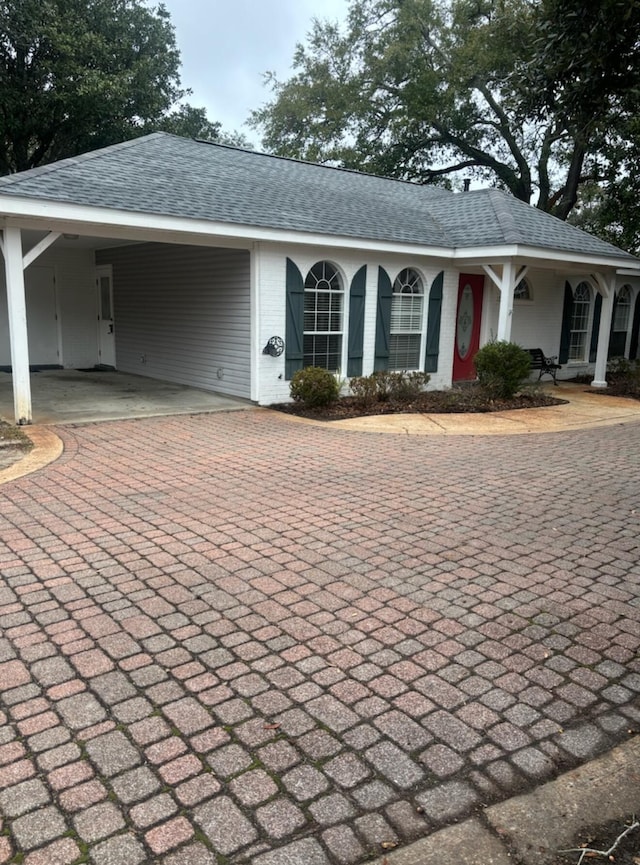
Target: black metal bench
x=545 y=365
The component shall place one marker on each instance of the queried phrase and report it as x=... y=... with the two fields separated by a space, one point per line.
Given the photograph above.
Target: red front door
x=468 y=319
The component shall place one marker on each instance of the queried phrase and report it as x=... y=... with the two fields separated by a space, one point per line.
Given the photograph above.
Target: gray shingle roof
x=165 y=175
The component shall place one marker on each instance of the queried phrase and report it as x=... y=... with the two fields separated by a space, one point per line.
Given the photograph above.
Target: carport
x=161 y=306
x=77 y=396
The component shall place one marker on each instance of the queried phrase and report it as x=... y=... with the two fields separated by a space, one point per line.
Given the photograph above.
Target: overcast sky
x=227 y=46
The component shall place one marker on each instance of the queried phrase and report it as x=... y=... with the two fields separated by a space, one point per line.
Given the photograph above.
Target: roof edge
x=52 y=167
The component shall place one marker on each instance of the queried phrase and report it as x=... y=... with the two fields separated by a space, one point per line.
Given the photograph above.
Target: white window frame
x=625 y=291
x=325 y=285
x=408 y=284
x=520 y=287
x=580 y=327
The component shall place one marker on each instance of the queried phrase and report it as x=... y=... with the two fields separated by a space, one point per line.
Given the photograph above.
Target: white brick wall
x=272 y=386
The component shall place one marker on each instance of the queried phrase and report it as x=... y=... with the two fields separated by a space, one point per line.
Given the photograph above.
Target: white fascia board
x=106 y=222
x=48 y=215
x=542 y=256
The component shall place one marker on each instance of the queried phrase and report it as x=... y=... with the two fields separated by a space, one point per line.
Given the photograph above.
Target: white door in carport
x=42 y=318
x=106 y=335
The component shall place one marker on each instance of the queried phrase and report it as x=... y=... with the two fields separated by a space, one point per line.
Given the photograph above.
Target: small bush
x=314 y=386
x=408 y=385
x=623 y=376
x=386 y=386
x=364 y=388
x=502 y=368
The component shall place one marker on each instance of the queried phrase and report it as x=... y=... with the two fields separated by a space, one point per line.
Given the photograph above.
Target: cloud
x=228 y=45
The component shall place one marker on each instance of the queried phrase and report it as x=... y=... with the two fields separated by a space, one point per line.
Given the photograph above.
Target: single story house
x=228 y=270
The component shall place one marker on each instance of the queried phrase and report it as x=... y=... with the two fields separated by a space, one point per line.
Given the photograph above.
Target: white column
x=600 y=374
x=505 y=316
x=17 y=309
x=254 y=312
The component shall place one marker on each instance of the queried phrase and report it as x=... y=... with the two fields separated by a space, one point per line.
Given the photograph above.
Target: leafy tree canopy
x=428 y=89
x=80 y=74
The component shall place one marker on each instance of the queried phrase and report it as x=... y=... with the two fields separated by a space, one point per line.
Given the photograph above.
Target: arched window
x=323 y=317
x=522 y=291
x=623 y=310
x=580 y=315
x=407 y=302
x=620 y=322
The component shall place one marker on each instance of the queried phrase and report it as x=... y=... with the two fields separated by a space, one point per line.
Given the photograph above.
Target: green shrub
x=623 y=376
x=386 y=386
x=314 y=386
x=364 y=388
x=502 y=368
x=409 y=385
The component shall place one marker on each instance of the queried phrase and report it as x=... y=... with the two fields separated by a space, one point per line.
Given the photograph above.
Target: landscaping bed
x=11 y=436
x=470 y=398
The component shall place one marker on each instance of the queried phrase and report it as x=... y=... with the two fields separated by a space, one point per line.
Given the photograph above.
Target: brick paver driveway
x=237 y=638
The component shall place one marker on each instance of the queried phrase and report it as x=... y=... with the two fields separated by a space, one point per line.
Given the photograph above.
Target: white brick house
x=180 y=260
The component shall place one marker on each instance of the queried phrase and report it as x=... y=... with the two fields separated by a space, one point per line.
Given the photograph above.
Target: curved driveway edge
x=584 y=410
x=47 y=447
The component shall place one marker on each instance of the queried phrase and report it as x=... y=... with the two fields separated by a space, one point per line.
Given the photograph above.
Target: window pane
x=623 y=308
x=323 y=350
x=406 y=312
x=406 y=321
x=577 y=346
x=323 y=317
x=105 y=298
x=404 y=351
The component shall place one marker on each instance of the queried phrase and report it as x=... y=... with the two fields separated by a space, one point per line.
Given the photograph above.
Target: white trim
x=254 y=325
x=17 y=312
x=493 y=276
x=40 y=247
x=608 y=289
x=505 y=313
x=107 y=222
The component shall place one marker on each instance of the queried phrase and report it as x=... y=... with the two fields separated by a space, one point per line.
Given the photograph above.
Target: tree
x=80 y=74
x=586 y=65
x=428 y=89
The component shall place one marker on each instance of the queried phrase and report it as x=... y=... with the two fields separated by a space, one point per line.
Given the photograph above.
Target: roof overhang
x=545 y=258
x=45 y=215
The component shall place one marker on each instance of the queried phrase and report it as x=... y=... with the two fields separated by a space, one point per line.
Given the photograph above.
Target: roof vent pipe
x=467 y=184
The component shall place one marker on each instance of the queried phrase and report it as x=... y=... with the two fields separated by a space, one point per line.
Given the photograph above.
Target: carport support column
x=17 y=309
x=602 y=353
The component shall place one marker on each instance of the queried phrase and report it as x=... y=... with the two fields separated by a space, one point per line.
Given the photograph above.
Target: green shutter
x=433 y=324
x=565 y=333
x=597 y=312
x=635 y=330
x=356 y=321
x=383 y=321
x=294 y=334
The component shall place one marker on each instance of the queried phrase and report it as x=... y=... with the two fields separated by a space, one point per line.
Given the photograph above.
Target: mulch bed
x=456 y=400
x=11 y=436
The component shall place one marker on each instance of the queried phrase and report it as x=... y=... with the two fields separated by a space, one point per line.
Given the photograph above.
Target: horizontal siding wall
x=537 y=322
x=77 y=306
x=75 y=297
x=182 y=314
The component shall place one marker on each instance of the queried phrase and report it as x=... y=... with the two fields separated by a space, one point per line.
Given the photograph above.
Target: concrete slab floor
x=72 y=396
